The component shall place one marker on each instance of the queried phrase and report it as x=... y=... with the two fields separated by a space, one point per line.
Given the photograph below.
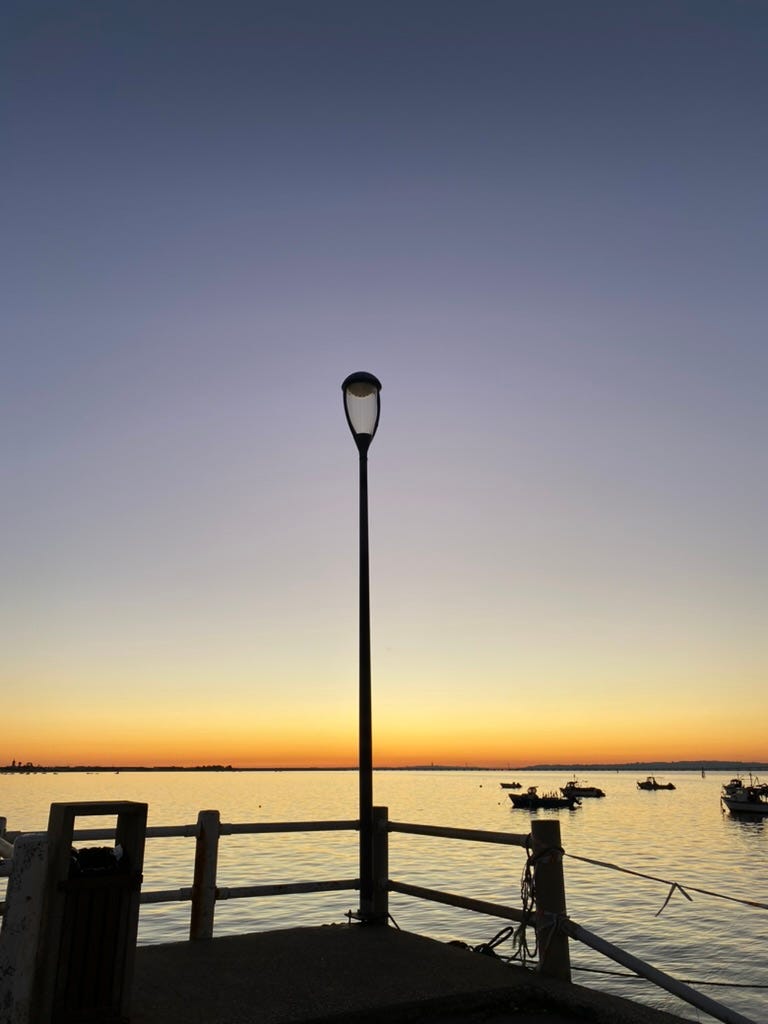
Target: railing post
x=204 y=882
x=380 y=902
x=554 y=956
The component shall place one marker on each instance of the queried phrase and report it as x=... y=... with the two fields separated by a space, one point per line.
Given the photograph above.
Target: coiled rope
x=523 y=950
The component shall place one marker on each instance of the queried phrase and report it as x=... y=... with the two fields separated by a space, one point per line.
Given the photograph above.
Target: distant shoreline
x=632 y=766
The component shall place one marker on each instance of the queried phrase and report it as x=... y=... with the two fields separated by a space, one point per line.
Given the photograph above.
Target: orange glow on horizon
x=256 y=734
x=184 y=753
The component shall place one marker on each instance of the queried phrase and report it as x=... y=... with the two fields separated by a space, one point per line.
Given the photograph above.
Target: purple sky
x=541 y=224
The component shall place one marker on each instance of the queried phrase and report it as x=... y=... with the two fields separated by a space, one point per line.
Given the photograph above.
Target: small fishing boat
x=573 y=788
x=531 y=801
x=651 y=783
x=749 y=799
x=510 y=785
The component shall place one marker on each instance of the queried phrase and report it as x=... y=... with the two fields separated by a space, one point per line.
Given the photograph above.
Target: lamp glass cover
x=362 y=401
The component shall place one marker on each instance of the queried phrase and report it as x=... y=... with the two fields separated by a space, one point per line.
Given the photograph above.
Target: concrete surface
x=350 y=973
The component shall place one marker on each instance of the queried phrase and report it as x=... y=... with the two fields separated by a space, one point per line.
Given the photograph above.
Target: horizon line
x=686 y=765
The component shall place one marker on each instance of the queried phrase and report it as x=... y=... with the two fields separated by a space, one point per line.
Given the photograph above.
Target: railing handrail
x=465 y=902
x=190 y=831
x=659 y=978
x=471 y=834
x=205 y=892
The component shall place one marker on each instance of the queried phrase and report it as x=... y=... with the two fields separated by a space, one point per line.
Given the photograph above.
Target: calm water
x=682 y=836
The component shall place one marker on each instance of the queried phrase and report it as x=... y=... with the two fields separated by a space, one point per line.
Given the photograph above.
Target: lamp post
x=362 y=406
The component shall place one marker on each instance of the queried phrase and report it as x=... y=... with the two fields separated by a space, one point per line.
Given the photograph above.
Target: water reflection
x=746 y=823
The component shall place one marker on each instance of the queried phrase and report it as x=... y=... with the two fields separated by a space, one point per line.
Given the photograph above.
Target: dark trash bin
x=91 y=917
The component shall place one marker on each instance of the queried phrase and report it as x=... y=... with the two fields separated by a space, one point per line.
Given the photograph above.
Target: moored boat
x=573 y=788
x=532 y=801
x=651 y=783
x=749 y=799
x=511 y=785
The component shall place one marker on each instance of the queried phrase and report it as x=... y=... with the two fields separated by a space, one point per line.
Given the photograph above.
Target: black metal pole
x=365 y=735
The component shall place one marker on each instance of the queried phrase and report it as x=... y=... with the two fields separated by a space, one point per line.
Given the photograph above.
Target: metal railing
x=205 y=893
x=544 y=853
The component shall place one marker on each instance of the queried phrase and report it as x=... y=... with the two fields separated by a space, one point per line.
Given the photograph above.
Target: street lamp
x=362 y=406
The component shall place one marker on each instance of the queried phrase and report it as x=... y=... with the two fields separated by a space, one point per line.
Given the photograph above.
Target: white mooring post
x=20 y=933
x=554 y=956
x=6 y=848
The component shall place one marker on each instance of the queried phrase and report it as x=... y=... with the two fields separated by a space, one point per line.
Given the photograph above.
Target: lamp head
x=362 y=406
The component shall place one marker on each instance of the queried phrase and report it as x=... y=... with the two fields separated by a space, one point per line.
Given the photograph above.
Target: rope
x=685 y=981
x=522 y=950
x=350 y=914
x=673 y=885
x=670 y=894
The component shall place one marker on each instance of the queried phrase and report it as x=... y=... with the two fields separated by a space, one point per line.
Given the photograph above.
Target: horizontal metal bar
x=284 y=888
x=166 y=896
x=465 y=902
x=94 y=833
x=256 y=828
x=665 y=981
x=227 y=829
x=152 y=832
x=167 y=831
x=472 y=834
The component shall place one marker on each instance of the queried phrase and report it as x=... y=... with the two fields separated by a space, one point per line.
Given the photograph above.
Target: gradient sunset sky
x=542 y=224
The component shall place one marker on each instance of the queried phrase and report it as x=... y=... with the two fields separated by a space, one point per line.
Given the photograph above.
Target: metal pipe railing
x=453 y=900
x=650 y=973
x=470 y=834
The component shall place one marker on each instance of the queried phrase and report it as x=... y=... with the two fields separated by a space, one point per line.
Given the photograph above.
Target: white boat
x=745 y=799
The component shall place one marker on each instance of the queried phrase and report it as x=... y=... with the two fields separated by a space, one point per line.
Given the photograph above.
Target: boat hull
x=653 y=785
x=523 y=802
x=744 y=806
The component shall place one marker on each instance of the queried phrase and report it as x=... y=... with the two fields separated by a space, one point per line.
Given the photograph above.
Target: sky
x=541 y=223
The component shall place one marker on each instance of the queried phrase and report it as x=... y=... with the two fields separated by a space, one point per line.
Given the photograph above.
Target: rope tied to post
x=524 y=950
x=669 y=882
x=544 y=854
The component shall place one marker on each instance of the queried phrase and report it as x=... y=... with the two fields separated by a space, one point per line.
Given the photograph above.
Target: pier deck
x=342 y=973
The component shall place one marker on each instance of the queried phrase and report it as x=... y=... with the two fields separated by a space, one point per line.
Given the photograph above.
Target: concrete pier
x=350 y=973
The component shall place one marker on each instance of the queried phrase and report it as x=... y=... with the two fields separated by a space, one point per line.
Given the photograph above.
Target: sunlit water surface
x=680 y=835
